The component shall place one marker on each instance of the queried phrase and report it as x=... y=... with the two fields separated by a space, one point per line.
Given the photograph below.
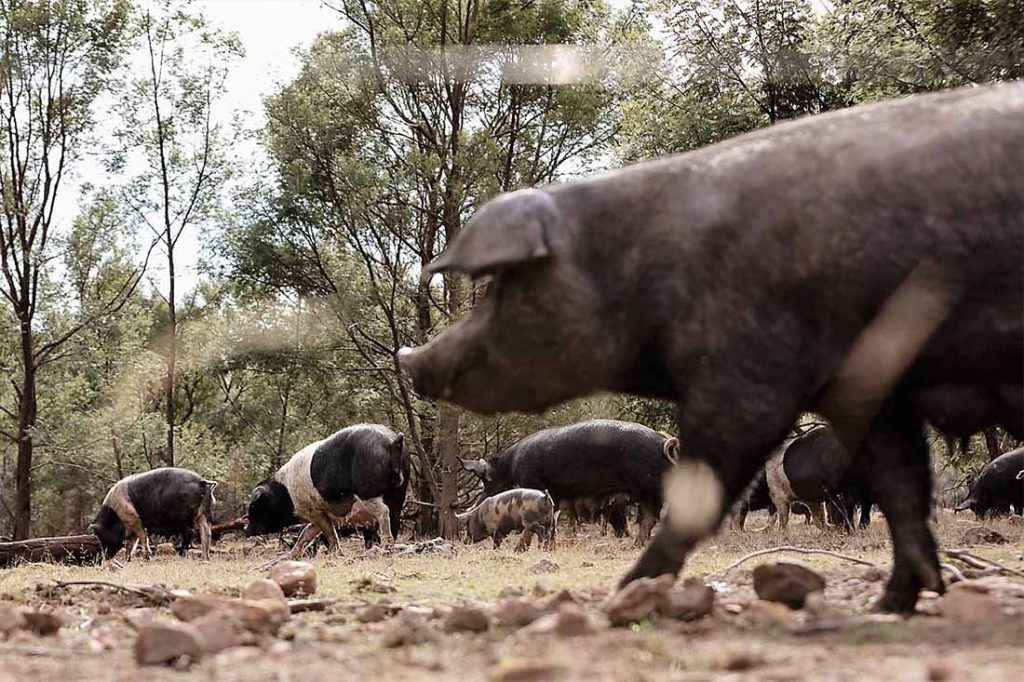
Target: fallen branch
x=954 y=571
x=303 y=605
x=220 y=529
x=69 y=549
x=152 y=592
x=798 y=550
x=980 y=562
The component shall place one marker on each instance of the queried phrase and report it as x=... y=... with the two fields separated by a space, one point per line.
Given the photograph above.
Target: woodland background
x=369 y=161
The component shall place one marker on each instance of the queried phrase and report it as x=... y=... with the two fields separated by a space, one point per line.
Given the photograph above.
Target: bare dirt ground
x=96 y=641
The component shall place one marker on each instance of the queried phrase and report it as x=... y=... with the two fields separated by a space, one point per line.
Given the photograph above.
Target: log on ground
x=68 y=549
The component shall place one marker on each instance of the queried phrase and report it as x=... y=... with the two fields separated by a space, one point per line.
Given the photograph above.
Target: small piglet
x=520 y=509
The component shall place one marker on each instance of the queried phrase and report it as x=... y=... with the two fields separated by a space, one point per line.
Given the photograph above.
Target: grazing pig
x=591 y=459
x=519 y=509
x=998 y=487
x=166 y=501
x=864 y=264
x=815 y=468
x=364 y=463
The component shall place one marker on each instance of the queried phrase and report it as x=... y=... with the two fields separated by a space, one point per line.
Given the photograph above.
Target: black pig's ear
x=512 y=229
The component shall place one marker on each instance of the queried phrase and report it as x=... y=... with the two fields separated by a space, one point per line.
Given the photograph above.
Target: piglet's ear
x=513 y=229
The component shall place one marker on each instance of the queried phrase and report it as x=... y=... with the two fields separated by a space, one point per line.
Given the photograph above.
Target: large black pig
x=591 y=459
x=864 y=263
x=998 y=487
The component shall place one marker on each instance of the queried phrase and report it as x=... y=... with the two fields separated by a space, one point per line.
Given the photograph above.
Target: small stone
x=137 y=618
x=563 y=597
x=372 y=613
x=11 y=620
x=407 y=629
x=466 y=619
x=638 y=600
x=983 y=535
x=587 y=564
x=970 y=607
x=165 y=643
x=517 y=612
x=263 y=588
x=818 y=609
x=872 y=574
x=764 y=613
x=42 y=623
x=543 y=566
x=255 y=615
x=528 y=672
x=218 y=631
x=373 y=584
x=788 y=582
x=939 y=672
x=733 y=608
x=509 y=591
x=568 y=621
x=296 y=578
x=695 y=600
x=539 y=591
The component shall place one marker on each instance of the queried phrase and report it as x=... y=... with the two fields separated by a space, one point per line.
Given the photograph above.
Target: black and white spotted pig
x=321 y=482
x=166 y=501
x=519 y=509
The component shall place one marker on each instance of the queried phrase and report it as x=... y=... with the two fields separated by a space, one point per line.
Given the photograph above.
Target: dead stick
x=302 y=605
x=124 y=588
x=798 y=550
x=955 y=571
x=980 y=562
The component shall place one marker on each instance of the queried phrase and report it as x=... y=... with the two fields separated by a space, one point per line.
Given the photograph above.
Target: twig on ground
x=789 y=548
x=272 y=561
x=149 y=592
x=975 y=561
x=957 y=575
x=303 y=605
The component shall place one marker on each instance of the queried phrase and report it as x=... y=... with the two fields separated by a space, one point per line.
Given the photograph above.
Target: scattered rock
x=818 y=609
x=543 y=566
x=510 y=591
x=872 y=574
x=255 y=615
x=970 y=607
x=137 y=618
x=762 y=613
x=373 y=583
x=983 y=535
x=466 y=619
x=42 y=622
x=218 y=631
x=296 y=578
x=563 y=597
x=695 y=600
x=435 y=546
x=568 y=621
x=407 y=629
x=638 y=600
x=517 y=612
x=587 y=564
x=528 y=672
x=372 y=613
x=263 y=588
x=11 y=620
x=163 y=643
x=165 y=549
x=788 y=582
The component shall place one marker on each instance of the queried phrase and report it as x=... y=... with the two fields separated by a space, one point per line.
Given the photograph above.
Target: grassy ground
x=590 y=564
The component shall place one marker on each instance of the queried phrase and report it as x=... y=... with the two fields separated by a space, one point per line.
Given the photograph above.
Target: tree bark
x=27 y=406
x=172 y=351
x=992 y=443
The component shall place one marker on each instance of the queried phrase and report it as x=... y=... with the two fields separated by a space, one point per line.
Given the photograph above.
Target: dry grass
x=479 y=573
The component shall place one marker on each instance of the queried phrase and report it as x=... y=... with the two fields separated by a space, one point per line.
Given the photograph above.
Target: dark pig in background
x=998 y=487
x=365 y=463
x=589 y=460
x=530 y=511
x=862 y=263
x=167 y=501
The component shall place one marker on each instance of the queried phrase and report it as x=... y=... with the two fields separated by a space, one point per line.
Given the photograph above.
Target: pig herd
x=864 y=265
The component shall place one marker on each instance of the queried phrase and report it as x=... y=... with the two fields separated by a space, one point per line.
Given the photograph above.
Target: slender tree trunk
x=992 y=443
x=449 y=417
x=27 y=406
x=172 y=351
